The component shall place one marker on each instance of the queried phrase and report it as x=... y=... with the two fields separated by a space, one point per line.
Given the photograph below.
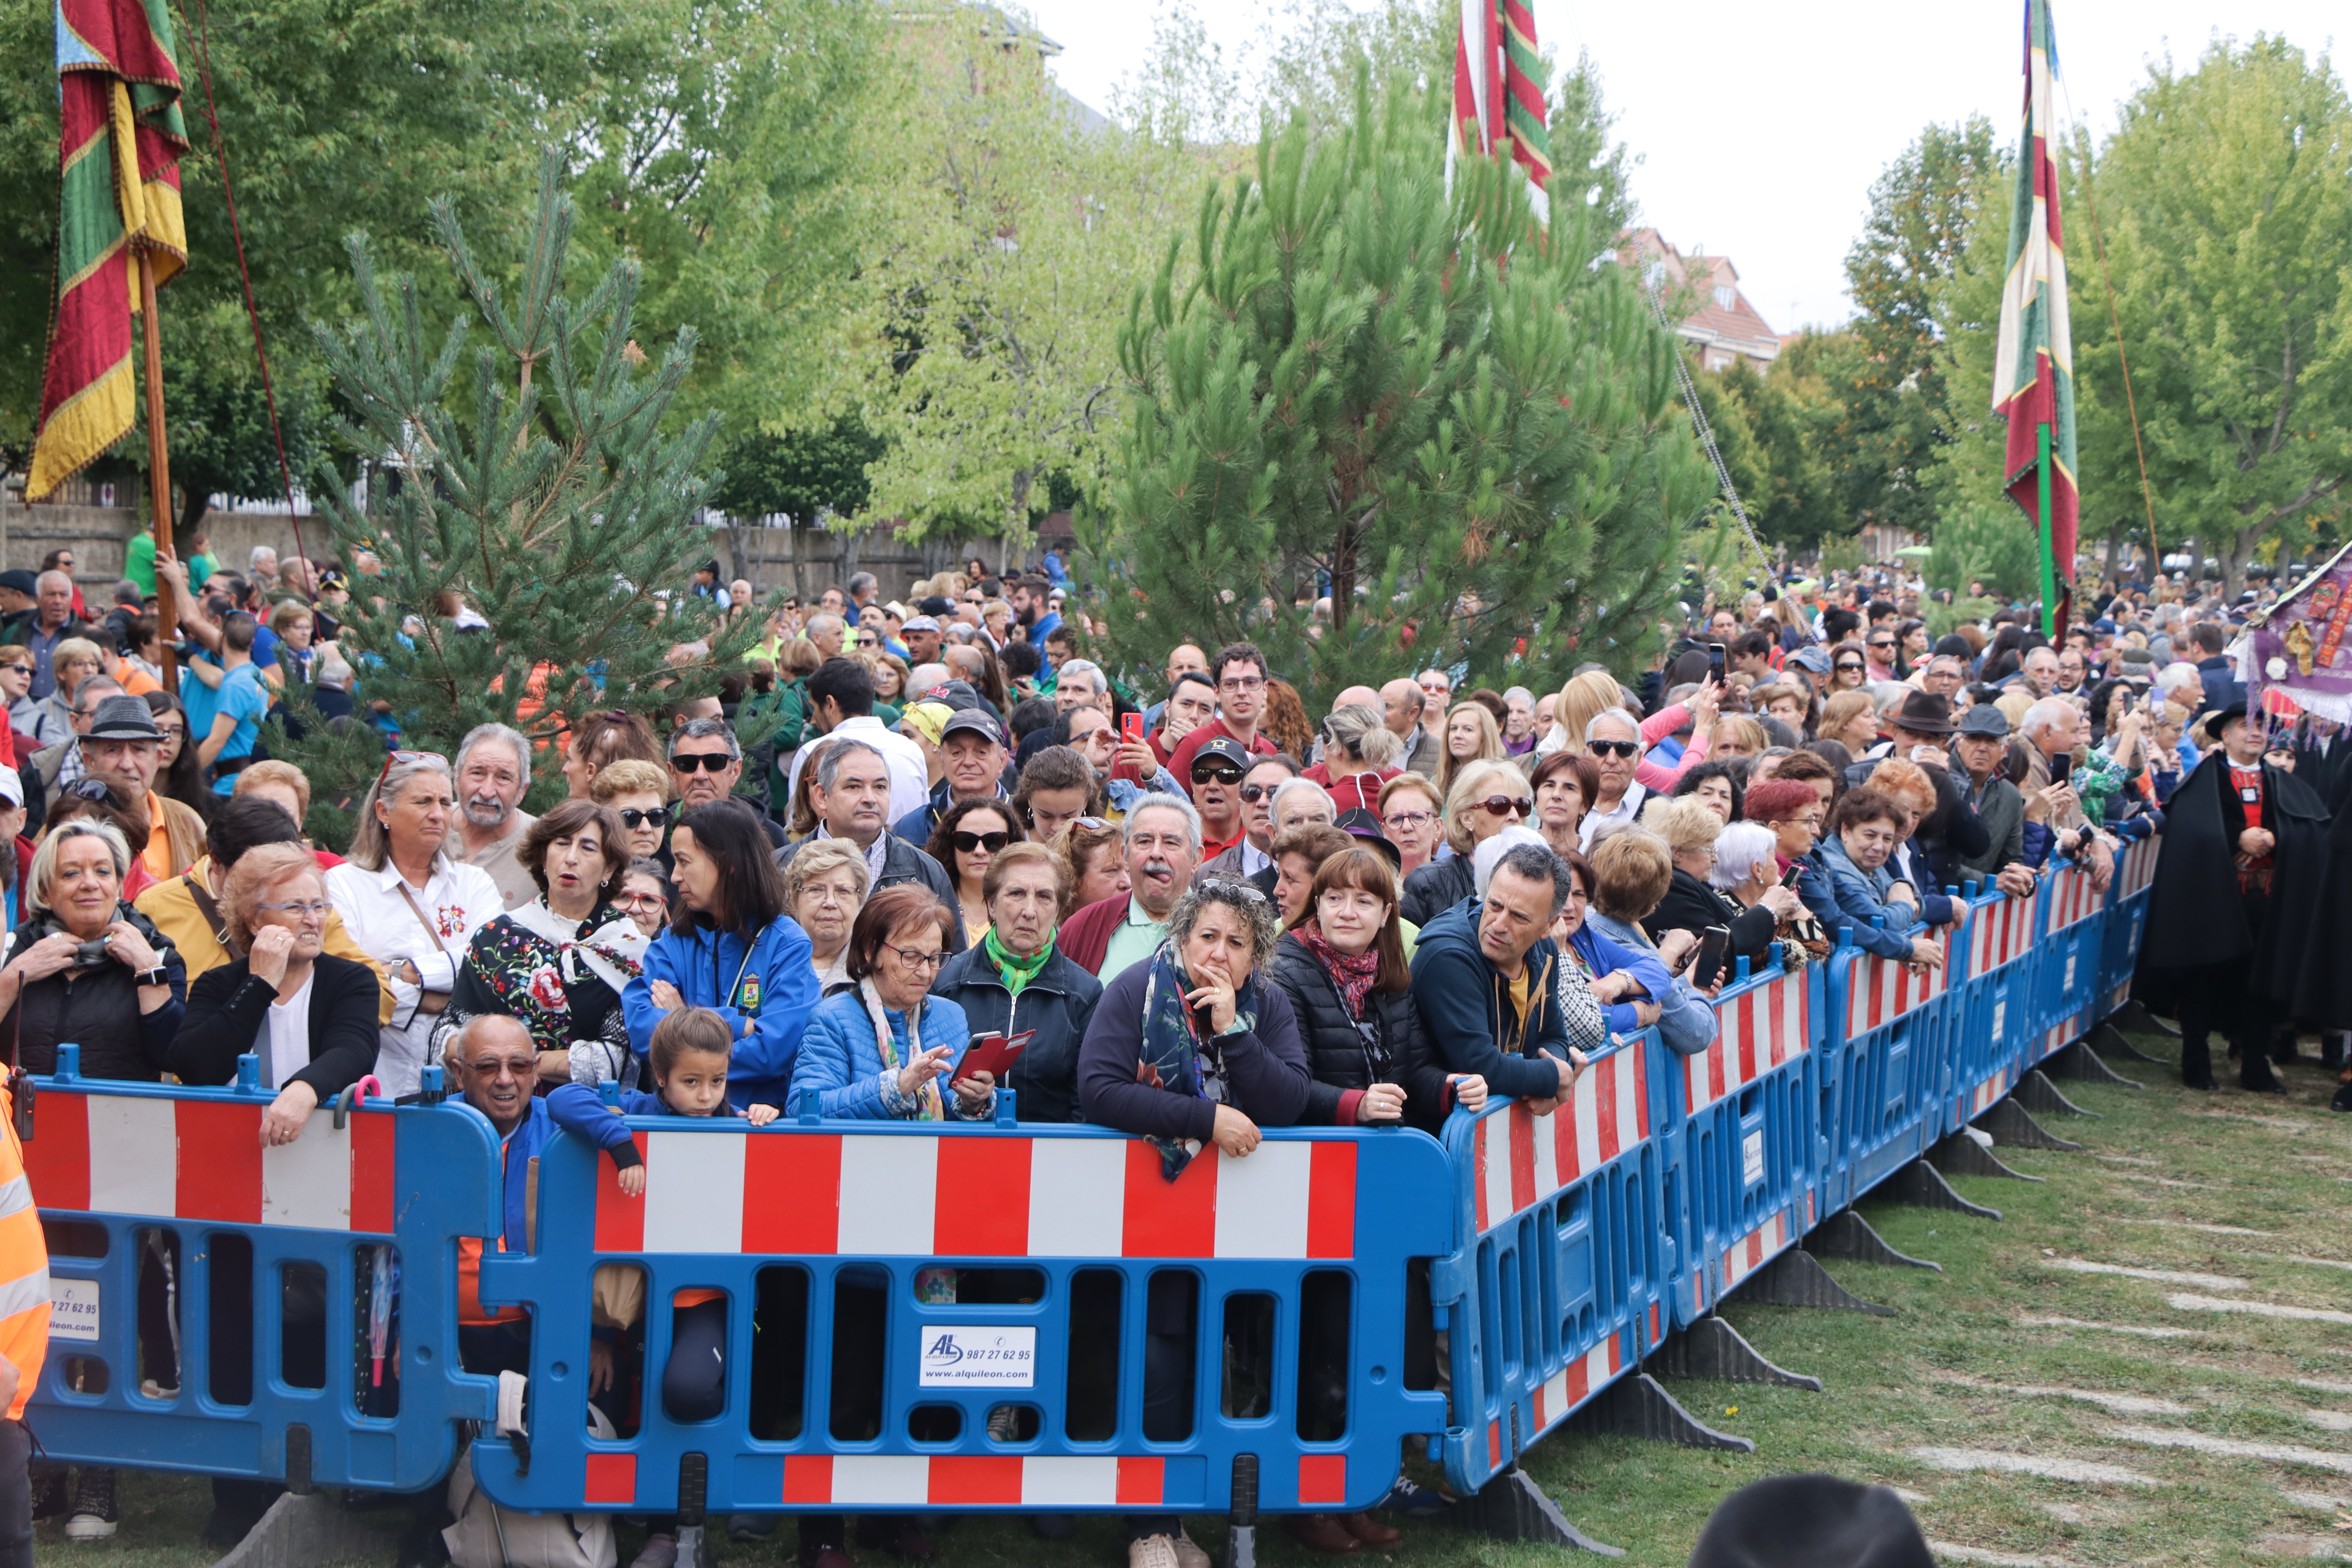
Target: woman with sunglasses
x=638 y=793
x=560 y=963
x=409 y=906
x=1849 y=667
x=1595 y=692
x=1487 y=797
x=969 y=835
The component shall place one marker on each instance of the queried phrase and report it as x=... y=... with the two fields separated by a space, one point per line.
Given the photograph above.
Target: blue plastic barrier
x=841 y=1208
x=2127 y=911
x=174 y=1185
x=1751 y=1127
x=2067 y=997
x=1888 y=1050
x=1557 y=1289
x=2001 y=940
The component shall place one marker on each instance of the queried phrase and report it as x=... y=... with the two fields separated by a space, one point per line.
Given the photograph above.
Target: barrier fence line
x=1021 y=1316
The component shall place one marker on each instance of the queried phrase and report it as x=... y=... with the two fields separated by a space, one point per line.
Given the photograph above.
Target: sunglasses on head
x=634 y=818
x=966 y=843
x=1223 y=774
x=1615 y=748
x=406 y=758
x=715 y=762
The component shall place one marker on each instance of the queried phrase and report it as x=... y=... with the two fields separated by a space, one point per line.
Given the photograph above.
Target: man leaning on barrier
x=1482 y=978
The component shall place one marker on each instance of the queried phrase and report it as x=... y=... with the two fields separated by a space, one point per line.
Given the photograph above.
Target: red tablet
x=992 y=1054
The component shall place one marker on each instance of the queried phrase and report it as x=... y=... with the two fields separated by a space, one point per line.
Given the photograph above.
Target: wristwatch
x=156 y=976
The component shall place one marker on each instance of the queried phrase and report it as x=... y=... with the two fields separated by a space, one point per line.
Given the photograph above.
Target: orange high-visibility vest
x=24 y=1267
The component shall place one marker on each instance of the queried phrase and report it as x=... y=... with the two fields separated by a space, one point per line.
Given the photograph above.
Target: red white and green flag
x=121 y=137
x=1498 y=93
x=2033 y=372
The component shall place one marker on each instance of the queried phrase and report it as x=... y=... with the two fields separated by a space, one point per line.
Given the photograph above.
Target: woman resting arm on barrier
x=1191 y=1046
x=1864 y=831
x=1631 y=870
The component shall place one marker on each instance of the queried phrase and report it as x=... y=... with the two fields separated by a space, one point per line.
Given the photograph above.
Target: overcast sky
x=1762 y=125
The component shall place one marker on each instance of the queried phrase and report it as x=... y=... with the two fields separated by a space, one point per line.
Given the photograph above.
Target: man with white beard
x=493 y=773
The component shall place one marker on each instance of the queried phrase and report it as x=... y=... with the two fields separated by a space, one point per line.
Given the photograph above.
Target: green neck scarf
x=1017 y=971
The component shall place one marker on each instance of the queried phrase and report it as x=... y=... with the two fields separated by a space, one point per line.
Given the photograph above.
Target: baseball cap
x=25 y=583
x=12 y=786
x=1224 y=749
x=1812 y=656
x=972 y=721
x=936 y=604
x=1986 y=722
x=920 y=624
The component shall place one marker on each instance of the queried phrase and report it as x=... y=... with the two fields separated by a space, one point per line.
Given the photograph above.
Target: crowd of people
x=1188 y=913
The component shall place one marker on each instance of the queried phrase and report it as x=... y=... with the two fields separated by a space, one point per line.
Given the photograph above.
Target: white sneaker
x=1188 y=1554
x=1154 y=1551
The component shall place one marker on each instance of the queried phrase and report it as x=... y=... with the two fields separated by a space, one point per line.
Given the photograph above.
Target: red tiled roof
x=1739 y=326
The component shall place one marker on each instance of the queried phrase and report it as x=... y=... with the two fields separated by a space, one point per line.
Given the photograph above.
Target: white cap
x=12 y=787
x=1489 y=855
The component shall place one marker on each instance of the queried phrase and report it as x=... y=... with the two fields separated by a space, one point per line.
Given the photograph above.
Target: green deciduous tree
x=1344 y=376
x=535 y=487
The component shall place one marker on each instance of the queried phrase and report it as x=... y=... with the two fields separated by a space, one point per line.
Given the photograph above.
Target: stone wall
x=97 y=534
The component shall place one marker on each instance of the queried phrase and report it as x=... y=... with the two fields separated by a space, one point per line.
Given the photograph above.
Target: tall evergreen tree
x=526 y=477
x=1448 y=422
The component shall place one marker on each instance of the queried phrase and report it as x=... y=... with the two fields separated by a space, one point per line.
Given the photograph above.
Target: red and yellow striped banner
x=118 y=145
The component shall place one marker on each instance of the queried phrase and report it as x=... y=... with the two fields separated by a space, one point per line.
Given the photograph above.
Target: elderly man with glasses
x=1163 y=839
x=705 y=764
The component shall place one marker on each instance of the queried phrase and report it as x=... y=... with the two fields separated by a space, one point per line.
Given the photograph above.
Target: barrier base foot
x=2108 y=1041
x=2134 y=1014
x=1961 y=1155
x=1511 y=1507
x=2011 y=1124
x=1922 y=1185
x=1847 y=1235
x=1796 y=1279
x=298 y=1530
x=1638 y=1406
x=1711 y=1348
x=2080 y=1062
x=2038 y=1094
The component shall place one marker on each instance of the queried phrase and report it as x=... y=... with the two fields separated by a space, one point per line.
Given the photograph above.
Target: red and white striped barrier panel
x=1982 y=1097
x=1574 y=1384
x=1759 y=1029
x=1880 y=990
x=1524 y=1158
x=827 y=1194
x=2072 y=900
x=2003 y=932
x=2137 y=869
x=203 y=1159
x=968 y=1480
x=1755 y=1249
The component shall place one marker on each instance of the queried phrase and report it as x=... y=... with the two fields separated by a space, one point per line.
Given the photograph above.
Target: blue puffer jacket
x=840 y=1059
x=1851 y=898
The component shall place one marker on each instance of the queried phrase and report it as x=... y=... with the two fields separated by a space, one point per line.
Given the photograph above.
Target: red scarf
x=1353 y=977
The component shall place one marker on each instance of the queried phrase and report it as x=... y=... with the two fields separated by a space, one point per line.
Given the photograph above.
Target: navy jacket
x=1058 y=1004
x=1266 y=1068
x=1466 y=1013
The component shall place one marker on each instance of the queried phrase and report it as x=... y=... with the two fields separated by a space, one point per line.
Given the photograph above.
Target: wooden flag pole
x=2049 y=551
x=159 y=470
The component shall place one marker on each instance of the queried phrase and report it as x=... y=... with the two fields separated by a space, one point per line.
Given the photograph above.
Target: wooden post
x=159 y=471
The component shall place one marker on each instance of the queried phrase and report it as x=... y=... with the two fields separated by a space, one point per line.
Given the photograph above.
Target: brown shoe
x=1370 y=1531
x=1321 y=1532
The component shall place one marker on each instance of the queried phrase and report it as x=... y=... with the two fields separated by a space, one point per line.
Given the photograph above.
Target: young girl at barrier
x=687 y=1057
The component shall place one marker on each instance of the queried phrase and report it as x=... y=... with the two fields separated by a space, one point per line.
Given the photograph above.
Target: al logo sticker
x=750 y=993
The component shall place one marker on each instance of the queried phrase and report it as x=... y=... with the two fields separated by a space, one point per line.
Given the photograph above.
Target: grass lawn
x=1972 y=1365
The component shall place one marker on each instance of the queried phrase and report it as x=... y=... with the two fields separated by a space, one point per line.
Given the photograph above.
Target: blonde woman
x=1487 y=797
x=1851 y=719
x=1471 y=736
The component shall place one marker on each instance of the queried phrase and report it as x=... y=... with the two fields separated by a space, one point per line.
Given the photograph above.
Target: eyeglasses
x=641 y=901
x=712 y=761
x=917 y=959
x=966 y=843
x=1408 y=820
x=1241 y=683
x=1504 y=805
x=316 y=908
x=631 y=817
x=1615 y=748
x=1223 y=774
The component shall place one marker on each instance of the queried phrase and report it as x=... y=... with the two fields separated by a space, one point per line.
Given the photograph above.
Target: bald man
x=1401 y=704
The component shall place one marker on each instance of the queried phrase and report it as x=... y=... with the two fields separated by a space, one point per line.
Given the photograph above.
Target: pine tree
x=538 y=491
x=1350 y=384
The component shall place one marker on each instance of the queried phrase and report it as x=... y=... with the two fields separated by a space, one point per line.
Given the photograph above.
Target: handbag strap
x=206 y=907
x=439 y=946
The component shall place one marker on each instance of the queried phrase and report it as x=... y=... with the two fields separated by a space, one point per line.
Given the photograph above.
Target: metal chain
x=1698 y=423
